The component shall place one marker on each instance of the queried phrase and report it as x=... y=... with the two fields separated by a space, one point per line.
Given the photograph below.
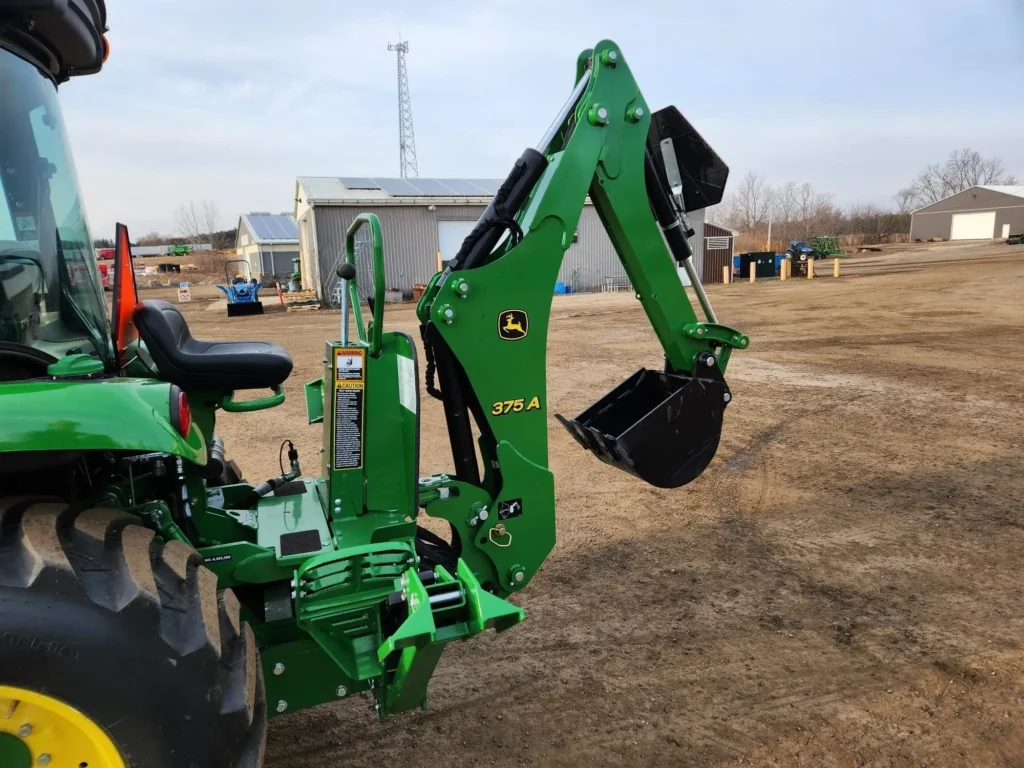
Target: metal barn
x=269 y=242
x=979 y=213
x=424 y=222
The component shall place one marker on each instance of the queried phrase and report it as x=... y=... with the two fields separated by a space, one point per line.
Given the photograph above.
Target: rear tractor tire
x=117 y=651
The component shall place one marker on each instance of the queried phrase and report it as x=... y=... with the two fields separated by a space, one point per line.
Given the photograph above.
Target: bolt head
x=482 y=514
x=639 y=111
x=342 y=691
x=463 y=287
x=25 y=731
x=43 y=759
x=710 y=362
x=602 y=113
x=613 y=55
x=449 y=313
x=727 y=397
x=279 y=668
x=282 y=705
x=520 y=576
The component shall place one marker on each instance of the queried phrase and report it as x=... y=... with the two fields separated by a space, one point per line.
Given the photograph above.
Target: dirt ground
x=841 y=587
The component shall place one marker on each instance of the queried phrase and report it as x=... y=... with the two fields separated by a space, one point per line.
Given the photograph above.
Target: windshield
x=51 y=296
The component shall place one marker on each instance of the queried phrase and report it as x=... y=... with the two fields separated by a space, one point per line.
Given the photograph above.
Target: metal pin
x=342 y=690
x=282 y=705
x=279 y=668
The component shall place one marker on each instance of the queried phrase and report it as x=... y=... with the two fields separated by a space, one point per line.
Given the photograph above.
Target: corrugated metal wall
x=459 y=212
x=410 y=245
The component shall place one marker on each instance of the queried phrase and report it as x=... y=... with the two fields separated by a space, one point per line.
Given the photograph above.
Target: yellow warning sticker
x=349 y=364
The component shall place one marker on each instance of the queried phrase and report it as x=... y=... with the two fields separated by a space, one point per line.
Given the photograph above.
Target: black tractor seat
x=209 y=366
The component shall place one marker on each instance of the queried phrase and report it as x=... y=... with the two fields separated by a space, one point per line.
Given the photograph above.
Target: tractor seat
x=211 y=366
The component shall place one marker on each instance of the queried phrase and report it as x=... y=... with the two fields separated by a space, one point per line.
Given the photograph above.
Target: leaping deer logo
x=513 y=324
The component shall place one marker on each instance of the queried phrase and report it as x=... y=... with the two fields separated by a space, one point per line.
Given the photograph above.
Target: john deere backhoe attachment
x=128 y=539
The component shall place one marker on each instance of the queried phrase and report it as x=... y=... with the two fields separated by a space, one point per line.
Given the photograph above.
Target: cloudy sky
x=230 y=100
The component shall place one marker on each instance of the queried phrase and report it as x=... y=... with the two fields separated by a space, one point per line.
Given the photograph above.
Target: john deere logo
x=513 y=324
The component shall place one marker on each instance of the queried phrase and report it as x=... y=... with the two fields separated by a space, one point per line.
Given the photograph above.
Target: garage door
x=450 y=235
x=973 y=226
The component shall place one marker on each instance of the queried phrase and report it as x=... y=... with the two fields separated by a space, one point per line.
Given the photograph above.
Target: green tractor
x=155 y=608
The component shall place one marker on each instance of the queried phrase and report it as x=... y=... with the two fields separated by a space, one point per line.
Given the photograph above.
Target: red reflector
x=182 y=417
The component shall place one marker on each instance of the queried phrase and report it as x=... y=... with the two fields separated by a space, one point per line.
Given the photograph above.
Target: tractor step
x=245 y=309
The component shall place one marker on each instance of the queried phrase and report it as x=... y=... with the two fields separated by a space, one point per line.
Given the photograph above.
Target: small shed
x=269 y=242
x=983 y=212
x=718 y=245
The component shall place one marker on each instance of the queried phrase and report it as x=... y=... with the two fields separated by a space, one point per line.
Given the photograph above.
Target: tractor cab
x=51 y=293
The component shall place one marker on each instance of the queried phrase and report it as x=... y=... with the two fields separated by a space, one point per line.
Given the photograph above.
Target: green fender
x=93 y=415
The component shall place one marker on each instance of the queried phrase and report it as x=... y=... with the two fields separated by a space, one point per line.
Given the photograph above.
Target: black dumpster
x=763 y=264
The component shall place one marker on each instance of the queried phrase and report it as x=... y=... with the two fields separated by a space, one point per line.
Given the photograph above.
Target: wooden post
x=753 y=274
x=725 y=274
x=439 y=262
x=835 y=267
x=783 y=268
x=810 y=269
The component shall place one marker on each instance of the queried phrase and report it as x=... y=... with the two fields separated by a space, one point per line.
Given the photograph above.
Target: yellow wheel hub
x=37 y=730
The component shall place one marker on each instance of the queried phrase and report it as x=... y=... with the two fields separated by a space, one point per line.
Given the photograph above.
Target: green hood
x=110 y=414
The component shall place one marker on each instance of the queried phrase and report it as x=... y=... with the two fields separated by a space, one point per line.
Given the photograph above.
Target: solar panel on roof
x=458 y=187
x=490 y=186
x=397 y=187
x=431 y=187
x=358 y=182
x=270 y=227
x=277 y=228
x=259 y=227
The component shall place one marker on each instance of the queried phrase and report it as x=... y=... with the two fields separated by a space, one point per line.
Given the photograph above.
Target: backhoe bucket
x=245 y=309
x=663 y=428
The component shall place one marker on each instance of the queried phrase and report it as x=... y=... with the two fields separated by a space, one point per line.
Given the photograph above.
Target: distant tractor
x=242 y=291
x=816 y=248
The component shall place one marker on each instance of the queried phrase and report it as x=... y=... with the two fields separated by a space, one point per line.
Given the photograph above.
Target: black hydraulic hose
x=456 y=410
x=428 y=352
x=665 y=213
x=500 y=213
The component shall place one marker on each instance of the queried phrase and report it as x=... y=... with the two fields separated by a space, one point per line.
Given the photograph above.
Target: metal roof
x=344 y=189
x=721 y=226
x=271 y=228
x=1017 y=190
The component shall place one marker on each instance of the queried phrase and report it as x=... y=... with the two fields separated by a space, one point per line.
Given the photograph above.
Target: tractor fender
x=94 y=415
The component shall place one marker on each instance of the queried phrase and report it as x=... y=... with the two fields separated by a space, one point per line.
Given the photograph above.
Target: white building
x=269 y=242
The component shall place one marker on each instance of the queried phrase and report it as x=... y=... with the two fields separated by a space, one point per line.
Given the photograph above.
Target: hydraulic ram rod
x=674 y=231
x=563 y=113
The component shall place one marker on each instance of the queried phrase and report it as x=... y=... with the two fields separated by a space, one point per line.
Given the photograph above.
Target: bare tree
x=904 y=200
x=748 y=207
x=151 y=238
x=963 y=169
x=197 y=221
